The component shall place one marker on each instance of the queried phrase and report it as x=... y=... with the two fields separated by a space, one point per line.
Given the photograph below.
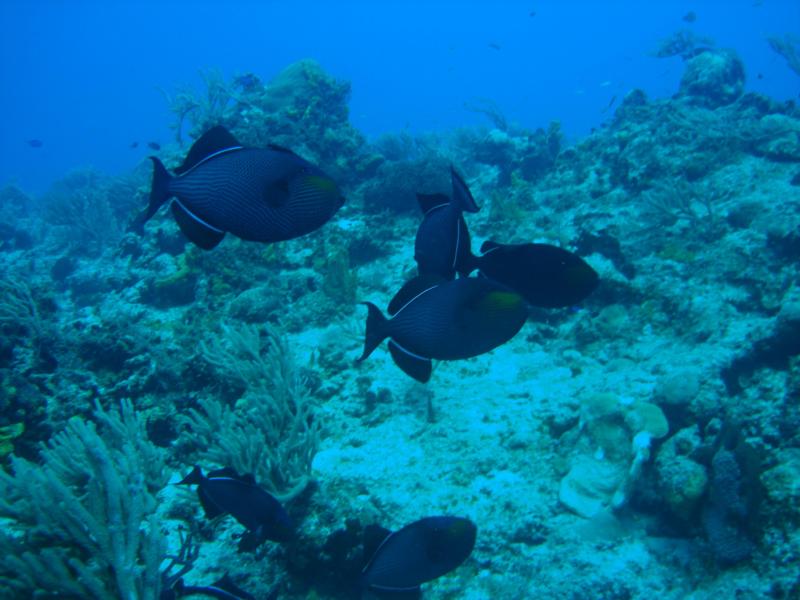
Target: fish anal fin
x=412 y=593
x=212 y=141
x=198 y=232
x=211 y=510
x=415 y=366
x=374 y=536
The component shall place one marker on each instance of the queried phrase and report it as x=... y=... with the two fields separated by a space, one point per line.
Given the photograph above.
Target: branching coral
x=272 y=432
x=81 y=523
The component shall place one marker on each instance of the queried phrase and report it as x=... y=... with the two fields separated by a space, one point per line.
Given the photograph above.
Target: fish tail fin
x=376 y=330
x=193 y=478
x=159 y=193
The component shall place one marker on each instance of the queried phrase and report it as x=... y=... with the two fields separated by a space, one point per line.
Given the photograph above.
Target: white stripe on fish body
x=209 y=157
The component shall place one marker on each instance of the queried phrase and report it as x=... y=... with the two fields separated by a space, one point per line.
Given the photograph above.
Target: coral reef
x=591 y=449
x=83 y=521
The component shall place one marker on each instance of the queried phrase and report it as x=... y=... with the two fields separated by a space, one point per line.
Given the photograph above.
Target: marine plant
x=81 y=521
x=272 y=431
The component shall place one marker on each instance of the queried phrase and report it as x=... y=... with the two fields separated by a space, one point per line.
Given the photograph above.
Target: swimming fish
x=134 y=145
x=224 y=491
x=444 y=320
x=224 y=589
x=546 y=276
x=154 y=145
x=689 y=17
x=35 y=143
x=419 y=552
x=442 y=237
x=258 y=194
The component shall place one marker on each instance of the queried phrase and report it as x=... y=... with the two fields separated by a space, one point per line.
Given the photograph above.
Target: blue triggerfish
x=419 y=552
x=442 y=237
x=224 y=491
x=258 y=194
x=446 y=320
x=546 y=276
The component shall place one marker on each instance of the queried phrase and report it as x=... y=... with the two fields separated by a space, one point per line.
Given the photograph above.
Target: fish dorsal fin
x=462 y=197
x=411 y=289
x=224 y=472
x=198 y=231
x=215 y=140
x=278 y=148
x=488 y=246
x=428 y=202
x=248 y=479
x=374 y=536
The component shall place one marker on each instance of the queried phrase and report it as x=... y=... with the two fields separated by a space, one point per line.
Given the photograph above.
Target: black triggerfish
x=443 y=238
x=447 y=320
x=222 y=589
x=258 y=194
x=546 y=276
x=419 y=552
x=224 y=491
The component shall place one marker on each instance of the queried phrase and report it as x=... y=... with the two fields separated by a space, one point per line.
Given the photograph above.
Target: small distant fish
x=224 y=491
x=610 y=104
x=760 y=76
x=532 y=13
x=689 y=17
x=442 y=237
x=154 y=145
x=224 y=589
x=401 y=561
x=35 y=143
x=605 y=84
x=257 y=194
x=447 y=320
x=545 y=276
x=134 y=145
x=494 y=46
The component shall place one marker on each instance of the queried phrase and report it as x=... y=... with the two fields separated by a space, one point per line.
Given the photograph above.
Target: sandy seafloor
x=688 y=208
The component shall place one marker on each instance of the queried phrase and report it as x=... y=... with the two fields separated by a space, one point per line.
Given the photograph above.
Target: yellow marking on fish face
x=323 y=184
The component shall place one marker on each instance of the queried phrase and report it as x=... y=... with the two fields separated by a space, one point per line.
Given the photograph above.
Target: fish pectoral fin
x=199 y=232
x=415 y=366
x=277 y=193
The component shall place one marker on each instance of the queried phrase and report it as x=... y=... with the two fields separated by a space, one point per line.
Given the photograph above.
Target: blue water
x=84 y=77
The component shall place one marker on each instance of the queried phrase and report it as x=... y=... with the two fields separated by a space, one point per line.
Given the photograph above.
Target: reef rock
x=713 y=78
